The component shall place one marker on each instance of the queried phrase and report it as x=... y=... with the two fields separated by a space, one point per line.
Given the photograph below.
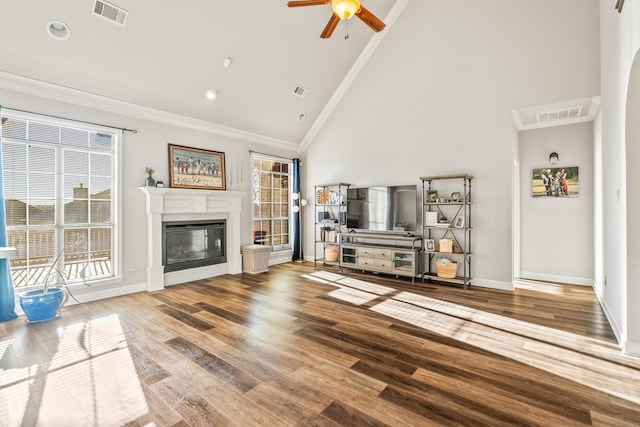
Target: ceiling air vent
x=561 y=114
x=110 y=12
x=300 y=91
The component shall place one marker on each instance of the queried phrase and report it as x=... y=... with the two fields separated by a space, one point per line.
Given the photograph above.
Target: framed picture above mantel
x=196 y=168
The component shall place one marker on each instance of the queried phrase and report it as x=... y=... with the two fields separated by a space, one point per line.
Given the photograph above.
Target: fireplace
x=191 y=206
x=191 y=244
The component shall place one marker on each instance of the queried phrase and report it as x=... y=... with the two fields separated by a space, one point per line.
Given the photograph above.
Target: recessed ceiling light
x=211 y=94
x=58 y=30
x=301 y=117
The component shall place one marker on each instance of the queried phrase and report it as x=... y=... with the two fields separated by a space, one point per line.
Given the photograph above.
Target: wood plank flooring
x=303 y=346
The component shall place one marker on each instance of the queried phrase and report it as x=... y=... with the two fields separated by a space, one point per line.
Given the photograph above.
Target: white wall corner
x=617 y=330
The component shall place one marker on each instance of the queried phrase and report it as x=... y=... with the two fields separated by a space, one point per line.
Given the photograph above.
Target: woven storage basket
x=447 y=271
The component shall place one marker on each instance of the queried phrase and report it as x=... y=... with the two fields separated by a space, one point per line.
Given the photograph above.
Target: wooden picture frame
x=429 y=245
x=459 y=222
x=196 y=168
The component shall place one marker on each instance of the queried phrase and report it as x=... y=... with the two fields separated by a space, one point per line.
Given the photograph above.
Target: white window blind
x=59 y=196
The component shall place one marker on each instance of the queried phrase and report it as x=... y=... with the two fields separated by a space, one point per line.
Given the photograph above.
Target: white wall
x=620 y=40
x=437 y=95
x=149 y=148
x=557 y=232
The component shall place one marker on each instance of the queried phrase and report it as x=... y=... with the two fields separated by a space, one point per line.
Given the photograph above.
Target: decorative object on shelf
x=150 y=182
x=331 y=252
x=445 y=245
x=459 y=222
x=196 y=168
x=430 y=218
x=159 y=184
x=442 y=200
x=445 y=268
x=455 y=196
x=429 y=245
x=555 y=182
x=432 y=196
x=322 y=197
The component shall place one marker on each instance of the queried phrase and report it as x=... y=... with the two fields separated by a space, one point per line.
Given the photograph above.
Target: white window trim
x=116 y=186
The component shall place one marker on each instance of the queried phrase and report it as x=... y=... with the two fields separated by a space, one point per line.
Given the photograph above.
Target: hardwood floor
x=303 y=346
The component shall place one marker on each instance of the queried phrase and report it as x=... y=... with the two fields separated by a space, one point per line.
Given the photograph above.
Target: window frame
x=257 y=157
x=116 y=188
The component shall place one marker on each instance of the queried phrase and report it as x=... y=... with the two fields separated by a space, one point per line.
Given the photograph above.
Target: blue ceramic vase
x=38 y=306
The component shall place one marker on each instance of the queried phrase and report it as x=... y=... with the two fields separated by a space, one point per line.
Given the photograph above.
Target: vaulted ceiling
x=168 y=54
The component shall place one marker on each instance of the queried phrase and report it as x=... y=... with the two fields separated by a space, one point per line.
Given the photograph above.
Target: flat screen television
x=389 y=209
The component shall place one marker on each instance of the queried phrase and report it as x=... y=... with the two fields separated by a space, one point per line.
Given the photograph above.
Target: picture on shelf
x=429 y=245
x=459 y=222
x=555 y=182
x=432 y=196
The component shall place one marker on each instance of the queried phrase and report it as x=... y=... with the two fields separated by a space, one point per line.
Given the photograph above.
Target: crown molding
x=29 y=86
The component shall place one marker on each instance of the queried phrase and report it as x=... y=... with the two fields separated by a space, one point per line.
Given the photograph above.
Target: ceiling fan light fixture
x=345 y=9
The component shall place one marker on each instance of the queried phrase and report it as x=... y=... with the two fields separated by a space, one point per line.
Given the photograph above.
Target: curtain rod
x=270 y=155
x=73 y=120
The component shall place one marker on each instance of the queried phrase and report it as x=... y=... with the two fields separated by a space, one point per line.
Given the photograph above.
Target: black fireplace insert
x=190 y=244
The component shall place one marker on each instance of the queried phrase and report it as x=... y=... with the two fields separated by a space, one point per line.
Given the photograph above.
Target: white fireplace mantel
x=184 y=204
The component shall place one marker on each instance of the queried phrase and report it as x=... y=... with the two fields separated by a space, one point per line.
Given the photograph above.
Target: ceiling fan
x=343 y=9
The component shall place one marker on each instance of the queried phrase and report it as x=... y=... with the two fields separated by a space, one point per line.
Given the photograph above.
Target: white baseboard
x=632 y=348
x=98 y=292
x=585 y=281
x=617 y=331
x=280 y=257
x=492 y=284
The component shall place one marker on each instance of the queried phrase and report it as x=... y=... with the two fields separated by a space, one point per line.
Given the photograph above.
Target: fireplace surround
x=185 y=205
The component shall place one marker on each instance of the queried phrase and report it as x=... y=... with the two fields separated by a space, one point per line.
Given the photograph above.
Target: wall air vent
x=110 y=12
x=300 y=91
x=560 y=114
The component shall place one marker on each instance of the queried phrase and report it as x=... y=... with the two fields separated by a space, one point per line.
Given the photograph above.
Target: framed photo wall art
x=555 y=182
x=196 y=168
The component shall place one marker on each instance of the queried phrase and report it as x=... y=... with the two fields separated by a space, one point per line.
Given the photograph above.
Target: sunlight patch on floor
x=454 y=321
x=90 y=379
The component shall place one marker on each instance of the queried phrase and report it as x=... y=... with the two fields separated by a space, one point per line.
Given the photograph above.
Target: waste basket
x=255 y=258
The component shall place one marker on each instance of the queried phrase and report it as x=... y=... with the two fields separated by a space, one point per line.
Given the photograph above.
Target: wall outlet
x=132 y=269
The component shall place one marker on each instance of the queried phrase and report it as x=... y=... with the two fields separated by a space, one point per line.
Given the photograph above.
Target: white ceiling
x=170 y=53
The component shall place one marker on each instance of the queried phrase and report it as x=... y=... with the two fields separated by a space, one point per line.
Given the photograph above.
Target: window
x=271 y=194
x=59 y=196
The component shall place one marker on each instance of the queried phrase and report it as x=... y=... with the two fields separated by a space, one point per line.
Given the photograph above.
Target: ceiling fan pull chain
x=346 y=29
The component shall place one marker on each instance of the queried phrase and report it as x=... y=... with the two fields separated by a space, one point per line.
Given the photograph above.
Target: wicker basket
x=447 y=271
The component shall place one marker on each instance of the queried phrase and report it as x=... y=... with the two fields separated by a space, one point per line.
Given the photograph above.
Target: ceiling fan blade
x=370 y=19
x=308 y=3
x=331 y=25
